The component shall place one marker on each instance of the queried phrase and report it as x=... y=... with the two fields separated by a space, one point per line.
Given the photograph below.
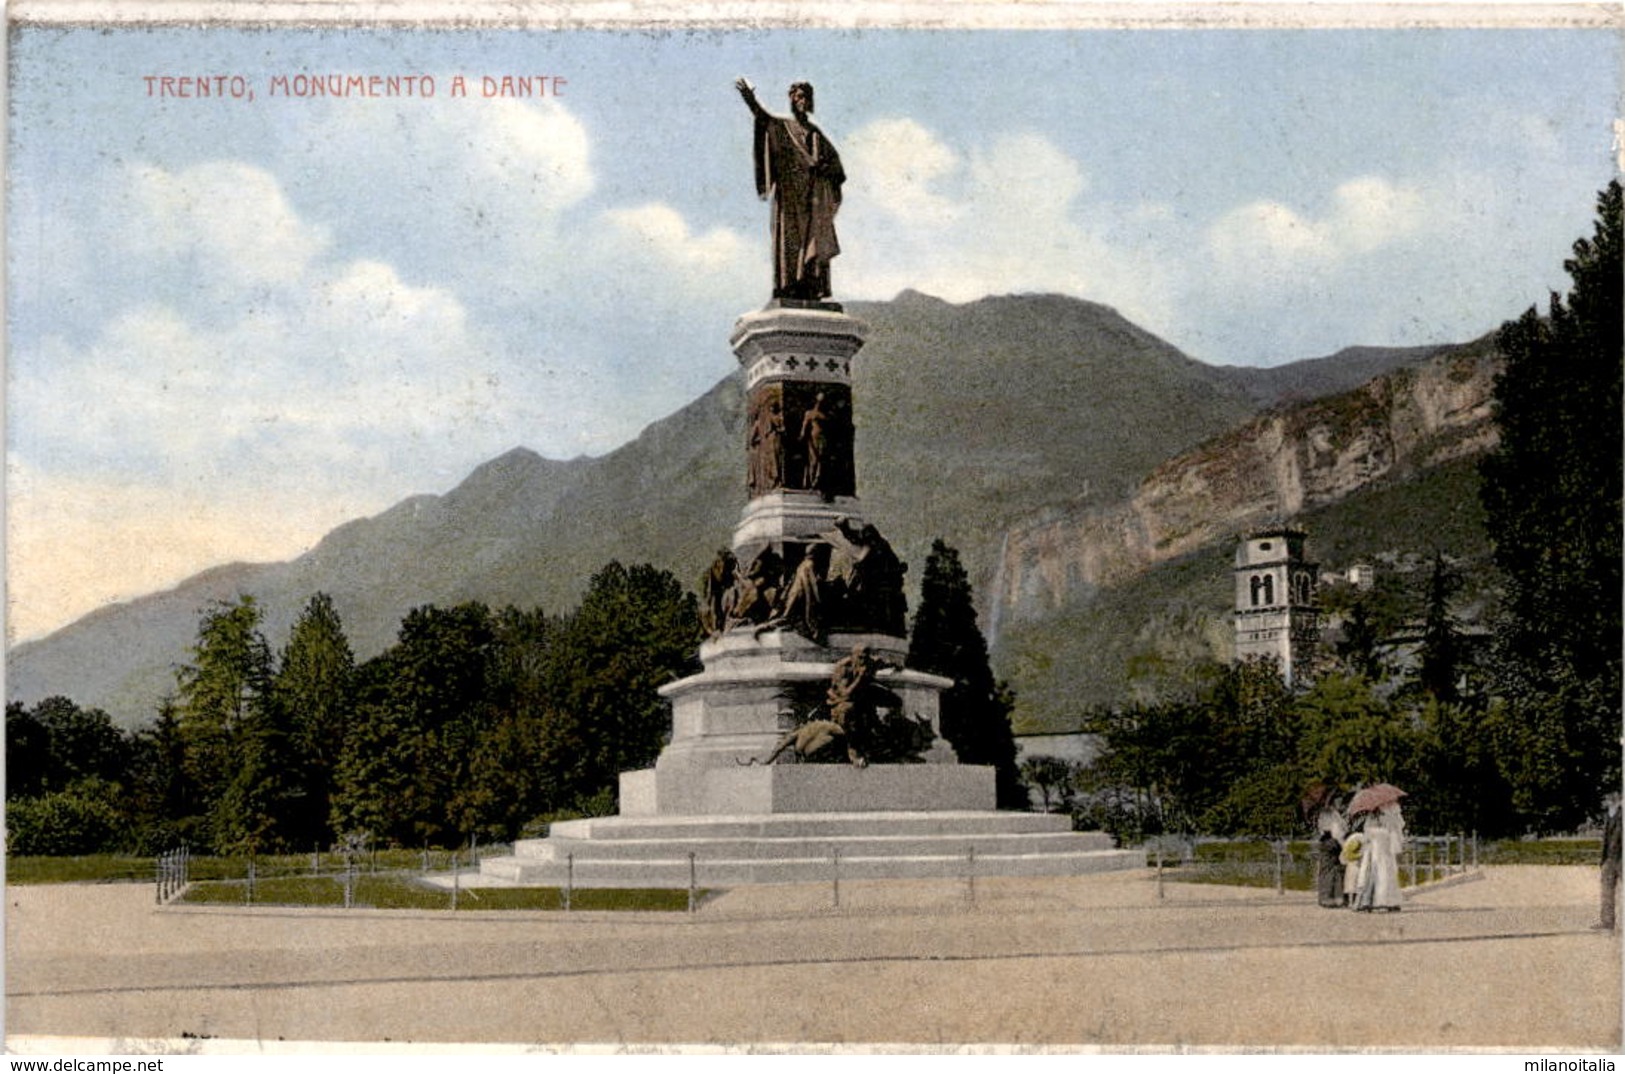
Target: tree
x=635 y=630
x=80 y=743
x=421 y=710
x=28 y=752
x=224 y=717
x=1440 y=658
x=312 y=689
x=1552 y=496
x=1357 y=651
x=160 y=795
x=975 y=711
x=1053 y=776
x=502 y=790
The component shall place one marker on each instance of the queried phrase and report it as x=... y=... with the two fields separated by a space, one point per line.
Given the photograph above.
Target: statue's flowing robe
x=798 y=168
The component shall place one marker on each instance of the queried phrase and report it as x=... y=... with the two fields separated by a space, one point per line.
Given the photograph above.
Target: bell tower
x=1276 y=592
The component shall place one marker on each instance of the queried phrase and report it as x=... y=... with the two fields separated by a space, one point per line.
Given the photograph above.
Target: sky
x=233 y=323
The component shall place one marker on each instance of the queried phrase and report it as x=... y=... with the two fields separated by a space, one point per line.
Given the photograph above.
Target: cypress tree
x=975 y=712
x=1552 y=499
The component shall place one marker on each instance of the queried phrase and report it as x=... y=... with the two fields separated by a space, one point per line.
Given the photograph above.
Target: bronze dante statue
x=798 y=168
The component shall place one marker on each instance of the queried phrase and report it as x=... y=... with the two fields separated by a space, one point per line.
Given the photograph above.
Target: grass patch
x=1541 y=852
x=405 y=893
x=88 y=868
x=1251 y=864
x=123 y=868
x=1296 y=875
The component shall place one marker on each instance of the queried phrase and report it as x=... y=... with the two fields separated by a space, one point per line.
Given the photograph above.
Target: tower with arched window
x=1276 y=611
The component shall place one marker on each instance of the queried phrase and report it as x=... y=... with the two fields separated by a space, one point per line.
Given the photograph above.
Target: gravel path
x=1506 y=961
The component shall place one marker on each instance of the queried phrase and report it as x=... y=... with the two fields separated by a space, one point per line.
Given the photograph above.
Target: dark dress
x=1328 y=871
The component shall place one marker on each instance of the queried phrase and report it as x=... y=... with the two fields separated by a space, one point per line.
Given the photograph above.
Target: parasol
x=1374 y=798
x=1316 y=796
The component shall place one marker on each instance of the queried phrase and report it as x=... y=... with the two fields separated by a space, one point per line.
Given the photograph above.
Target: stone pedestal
x=711 y=796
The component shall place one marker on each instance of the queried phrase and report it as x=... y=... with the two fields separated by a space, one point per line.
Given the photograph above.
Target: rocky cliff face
x=1279 y=464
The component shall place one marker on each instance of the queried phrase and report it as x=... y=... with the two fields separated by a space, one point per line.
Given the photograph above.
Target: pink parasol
x=1374 y=798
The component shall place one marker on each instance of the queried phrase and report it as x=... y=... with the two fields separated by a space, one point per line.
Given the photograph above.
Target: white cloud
x=1274 y=240
x=1372 y=213
x=1010 y=216
x=231 y=216
x=659 y=232
x=902 y=165
x=466 y=189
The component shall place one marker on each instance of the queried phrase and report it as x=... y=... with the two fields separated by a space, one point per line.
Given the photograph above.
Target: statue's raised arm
x=798 y=168
x=748 y=92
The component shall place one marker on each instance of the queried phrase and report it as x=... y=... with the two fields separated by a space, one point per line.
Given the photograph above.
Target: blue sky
x=234 y=325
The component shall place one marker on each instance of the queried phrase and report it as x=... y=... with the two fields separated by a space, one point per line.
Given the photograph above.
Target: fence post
x=691 y=882
x=1475 y=850
x=1433 y=859
x=1159 y=873
x=456 y=880
x=1280 y=872
x=1411 y=848
x=248 y=889
x=569 y=880
x=1461 y=839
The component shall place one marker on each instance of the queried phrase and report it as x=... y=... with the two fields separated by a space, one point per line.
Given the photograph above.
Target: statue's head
x=801 y=97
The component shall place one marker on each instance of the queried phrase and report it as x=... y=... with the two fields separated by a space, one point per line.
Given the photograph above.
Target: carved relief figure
x=814 y=445
x=854 y=700
x=717 y=593
x=756 y=592
x=873 y=590
x=798 y=168
x=802 y=607
x=764 y=467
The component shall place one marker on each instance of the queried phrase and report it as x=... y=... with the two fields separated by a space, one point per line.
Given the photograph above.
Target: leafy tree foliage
x=1053 y=777
x=57 y=743
x=28 y=752
x=1552 y=496
x=635 y=630
x=975 y=711
x=313 y=689
x=1441 y=656
x=82 y=818
x=63 y=764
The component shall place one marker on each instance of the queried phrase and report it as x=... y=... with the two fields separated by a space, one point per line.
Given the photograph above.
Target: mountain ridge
x=970 y=417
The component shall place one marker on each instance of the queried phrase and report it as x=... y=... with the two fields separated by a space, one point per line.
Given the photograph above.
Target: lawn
x=404 y=892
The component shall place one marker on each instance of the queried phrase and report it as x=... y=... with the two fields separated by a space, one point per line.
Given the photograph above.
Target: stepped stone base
x=789 y=848
x=685 y=785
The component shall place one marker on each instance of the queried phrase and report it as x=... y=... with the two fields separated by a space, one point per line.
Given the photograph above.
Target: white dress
x=1379 y=868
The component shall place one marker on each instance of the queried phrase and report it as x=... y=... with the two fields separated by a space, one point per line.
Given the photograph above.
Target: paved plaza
x=1507 y=960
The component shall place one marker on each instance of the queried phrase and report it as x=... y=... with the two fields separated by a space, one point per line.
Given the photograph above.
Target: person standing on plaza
x=1610 y=864
x=1379 y=865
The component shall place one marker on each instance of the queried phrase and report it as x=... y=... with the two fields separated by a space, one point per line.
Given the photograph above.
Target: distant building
x=1276 y=611
x=1068 y=746
x=1359 y=576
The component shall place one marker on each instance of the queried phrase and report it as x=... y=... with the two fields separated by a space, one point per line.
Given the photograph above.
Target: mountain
x=970 y=418
x=1090 y=595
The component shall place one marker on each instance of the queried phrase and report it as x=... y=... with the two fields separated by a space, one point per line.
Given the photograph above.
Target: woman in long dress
x=1328 y=866
x=1379 y=879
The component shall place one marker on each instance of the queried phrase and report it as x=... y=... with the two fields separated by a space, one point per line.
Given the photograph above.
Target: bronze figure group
x=850 y=580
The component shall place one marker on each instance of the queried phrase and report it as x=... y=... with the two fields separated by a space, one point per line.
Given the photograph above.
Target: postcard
x=456 y=451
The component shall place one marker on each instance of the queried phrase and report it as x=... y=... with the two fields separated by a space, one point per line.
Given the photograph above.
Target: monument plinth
x=805 y=738
x=819 y=583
